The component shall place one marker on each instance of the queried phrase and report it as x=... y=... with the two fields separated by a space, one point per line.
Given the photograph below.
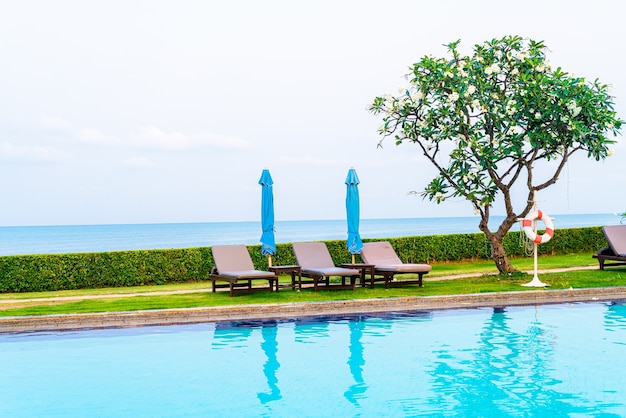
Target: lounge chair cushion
x=404 y=268
x=616 y=237
x=231 y=258
x=314 y=258
x=312 y=255
x=382 y=255
x=332 y=271
x=247 y=274
x=234 y=261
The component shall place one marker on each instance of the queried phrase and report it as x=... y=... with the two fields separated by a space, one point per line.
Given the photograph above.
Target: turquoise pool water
x=551 y=360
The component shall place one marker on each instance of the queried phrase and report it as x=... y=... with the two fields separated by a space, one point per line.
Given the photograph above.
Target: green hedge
x=34 y=273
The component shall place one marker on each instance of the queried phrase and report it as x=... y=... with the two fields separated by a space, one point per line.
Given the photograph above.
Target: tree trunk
x=499 y=255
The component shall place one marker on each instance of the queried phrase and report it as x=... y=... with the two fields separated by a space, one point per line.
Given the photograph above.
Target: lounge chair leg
x=388 y=278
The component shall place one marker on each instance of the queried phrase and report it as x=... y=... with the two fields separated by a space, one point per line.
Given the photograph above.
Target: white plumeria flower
x=389 y=103
x=471 y=89
x=574 y=108
x=475 y=104
x=610 y=152
x=454 y=96
x=493 y=68
x=439 y=197
x=418 y=95
x=401 y=89
x=476 y=211
x=537 y=115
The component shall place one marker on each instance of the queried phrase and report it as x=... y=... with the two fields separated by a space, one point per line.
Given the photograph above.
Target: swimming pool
x=549 y=360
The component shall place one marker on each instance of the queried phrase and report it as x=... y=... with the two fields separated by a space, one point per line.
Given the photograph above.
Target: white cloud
x=12 y=152
x=94 y=136
x=55 y=124
x=84 y=135
x=152 y=137
x=139 y=162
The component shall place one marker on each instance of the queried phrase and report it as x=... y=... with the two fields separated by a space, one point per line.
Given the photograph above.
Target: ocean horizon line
x=285 y=220
x=63 y=239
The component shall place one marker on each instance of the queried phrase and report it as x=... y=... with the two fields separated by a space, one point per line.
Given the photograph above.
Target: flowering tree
x=486 y=121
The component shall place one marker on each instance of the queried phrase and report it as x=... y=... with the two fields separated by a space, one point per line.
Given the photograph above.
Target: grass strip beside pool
x=575 y=279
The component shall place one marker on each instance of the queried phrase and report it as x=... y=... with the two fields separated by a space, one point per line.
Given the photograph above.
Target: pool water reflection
x=551 y=360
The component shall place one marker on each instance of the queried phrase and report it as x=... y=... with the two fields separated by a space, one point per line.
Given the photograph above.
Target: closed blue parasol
x=268 y=242
x=354 y=242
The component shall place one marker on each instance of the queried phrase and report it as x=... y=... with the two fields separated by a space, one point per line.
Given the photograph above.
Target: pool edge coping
x=303 y=309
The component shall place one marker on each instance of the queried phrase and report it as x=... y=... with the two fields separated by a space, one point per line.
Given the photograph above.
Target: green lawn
x=196 y=295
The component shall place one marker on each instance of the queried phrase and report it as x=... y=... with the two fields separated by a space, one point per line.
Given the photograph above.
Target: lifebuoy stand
x=537 y=239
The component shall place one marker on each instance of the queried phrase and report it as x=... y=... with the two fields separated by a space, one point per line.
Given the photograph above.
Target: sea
x=65 y=239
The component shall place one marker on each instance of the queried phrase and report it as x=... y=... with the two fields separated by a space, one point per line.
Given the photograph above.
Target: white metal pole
x=535 y=282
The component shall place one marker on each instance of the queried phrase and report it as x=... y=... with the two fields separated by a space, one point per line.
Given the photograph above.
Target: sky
x=168 y=111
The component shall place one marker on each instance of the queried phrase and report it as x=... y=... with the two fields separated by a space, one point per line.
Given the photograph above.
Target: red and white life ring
x=527 y=225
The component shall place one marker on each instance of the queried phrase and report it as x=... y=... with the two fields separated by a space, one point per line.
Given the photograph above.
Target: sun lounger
x=316 y=263
x=387 y=264
x=616 y=251
x=234 y=266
